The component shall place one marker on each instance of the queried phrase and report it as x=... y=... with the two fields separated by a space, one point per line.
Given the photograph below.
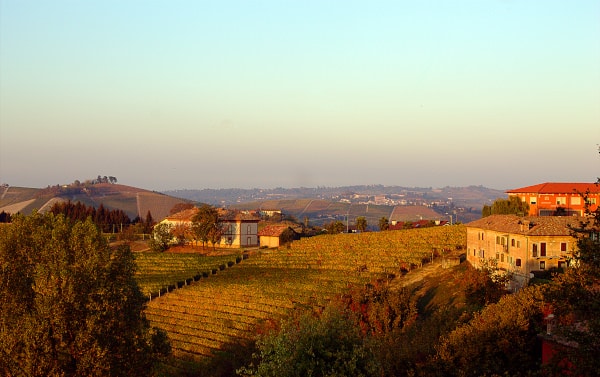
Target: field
x=225 y=309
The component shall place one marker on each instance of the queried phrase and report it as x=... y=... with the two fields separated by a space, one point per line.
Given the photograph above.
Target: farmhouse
x=522 y=246
x=276 y=235
x=240 y=229
x=551 y=198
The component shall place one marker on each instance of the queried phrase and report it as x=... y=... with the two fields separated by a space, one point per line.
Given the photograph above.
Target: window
x=561 y=200
x=518 y=262
x=518 y=243
x=532 y=200
x=502 y=257
x=534 y=250
x=575 y=200
x=497 y=240
x=562 y=264
x=497 y=256
x=249 y=229
x=591 y=201
x=542 y=265
x=542 y=249
x=563 y=246
x=512 y=242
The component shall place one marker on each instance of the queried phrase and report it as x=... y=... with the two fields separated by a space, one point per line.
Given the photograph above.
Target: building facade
x=551 y=198
x=521 y=245
x=240 y=229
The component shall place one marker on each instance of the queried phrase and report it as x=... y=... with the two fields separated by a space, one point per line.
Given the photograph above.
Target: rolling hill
x=133 y=201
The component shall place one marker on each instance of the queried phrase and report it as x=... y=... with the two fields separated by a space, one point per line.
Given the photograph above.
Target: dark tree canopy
x=69 y=304
x=511 y=206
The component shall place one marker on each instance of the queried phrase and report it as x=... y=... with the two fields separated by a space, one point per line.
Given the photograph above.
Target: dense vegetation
x=69 y=304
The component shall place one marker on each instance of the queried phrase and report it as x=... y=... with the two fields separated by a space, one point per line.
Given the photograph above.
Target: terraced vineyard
x=223 y=310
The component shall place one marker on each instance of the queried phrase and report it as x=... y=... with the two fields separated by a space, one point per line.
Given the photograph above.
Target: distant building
x=552 y=198
x=521 y=245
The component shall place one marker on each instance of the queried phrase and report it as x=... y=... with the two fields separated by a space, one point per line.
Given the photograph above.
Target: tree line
x=108 y=220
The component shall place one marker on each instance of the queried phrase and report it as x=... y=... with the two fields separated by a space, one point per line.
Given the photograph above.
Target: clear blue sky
x=219 y=94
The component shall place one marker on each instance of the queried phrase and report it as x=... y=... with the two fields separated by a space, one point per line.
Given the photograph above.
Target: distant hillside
x=325 y=204
x=133 y=201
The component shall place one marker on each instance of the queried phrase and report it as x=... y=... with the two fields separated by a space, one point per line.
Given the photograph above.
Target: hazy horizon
x=264 y=94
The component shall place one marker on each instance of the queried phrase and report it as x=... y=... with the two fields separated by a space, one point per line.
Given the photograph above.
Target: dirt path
x=417 y=274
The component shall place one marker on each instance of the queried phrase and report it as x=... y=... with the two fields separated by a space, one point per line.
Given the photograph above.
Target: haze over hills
x=318 y=205
x=323 y=204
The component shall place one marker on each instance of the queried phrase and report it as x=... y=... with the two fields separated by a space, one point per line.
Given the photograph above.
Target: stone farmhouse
x=240 y=228
x=551 y=198
x=522 y=246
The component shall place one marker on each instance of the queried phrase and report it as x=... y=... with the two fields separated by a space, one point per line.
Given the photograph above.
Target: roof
x=185 y=215
x=273 y=230
x=231 y=215
x=528 y=225
x=557 y=188
x=413 y=213
x=224 y=215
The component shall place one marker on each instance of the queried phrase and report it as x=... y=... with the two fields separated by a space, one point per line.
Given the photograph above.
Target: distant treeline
x=107 y=220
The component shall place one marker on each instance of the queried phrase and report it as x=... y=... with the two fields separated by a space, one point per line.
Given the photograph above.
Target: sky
x=176 y=94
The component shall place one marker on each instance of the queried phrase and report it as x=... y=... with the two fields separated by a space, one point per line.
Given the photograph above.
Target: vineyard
x=158 y=273
x=224 y=310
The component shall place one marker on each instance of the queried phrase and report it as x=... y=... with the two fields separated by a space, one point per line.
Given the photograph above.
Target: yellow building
x=521 y=245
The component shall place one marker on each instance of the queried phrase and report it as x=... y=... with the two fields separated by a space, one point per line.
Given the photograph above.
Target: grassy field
x=222 y=311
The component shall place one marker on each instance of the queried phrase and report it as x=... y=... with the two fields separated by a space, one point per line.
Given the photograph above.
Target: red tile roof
x=557 y=188
x=540 y=225
x=272 y=230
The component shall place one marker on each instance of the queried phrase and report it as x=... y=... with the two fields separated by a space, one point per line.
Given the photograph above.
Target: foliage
x=500 y=340
x=161 y=237
x=384 y=223
x=4 y=217
x=108 y=220
x=361 y=223
x=206 y=226
x=511 y=206
x=574 y=299
x=380 y=309
x=315 y=344
x=335 y=227
x=484 y=285
x=70 y=304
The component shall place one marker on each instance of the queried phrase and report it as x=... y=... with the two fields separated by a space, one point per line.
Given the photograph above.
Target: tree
x=69 y=304
x=161 y=237
x=361 y=223
x=511 y=206
x=484 y=285
x=148 y=223
x=335 y=227
x=574 y=299
x=384 y=223
x=499 y=341
x=206 y=226
x=314 y=344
